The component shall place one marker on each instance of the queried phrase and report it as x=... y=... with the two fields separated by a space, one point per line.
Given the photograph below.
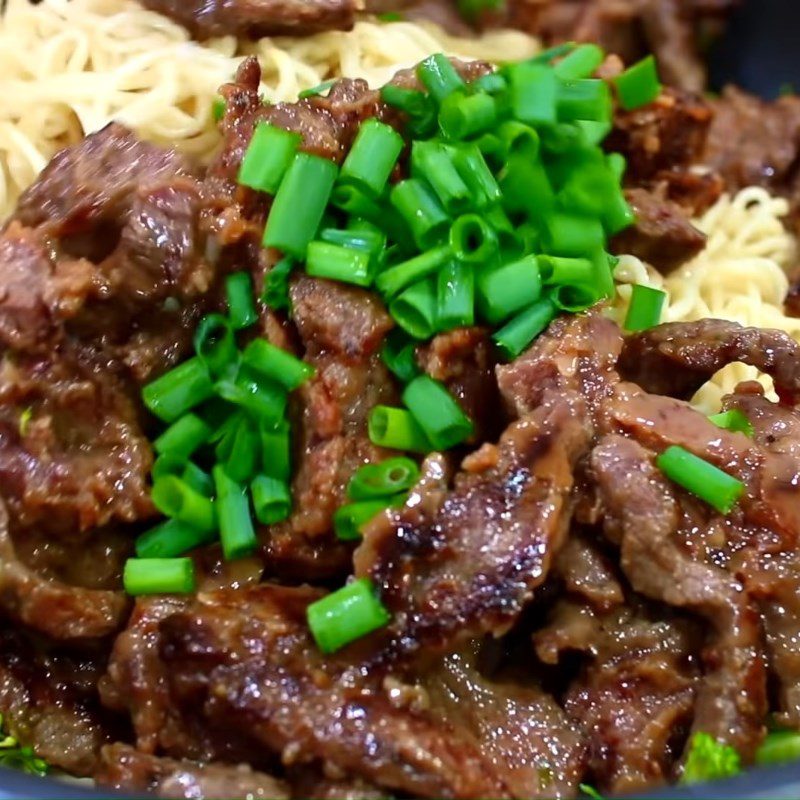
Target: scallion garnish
x=159 y=576
x=644 y=310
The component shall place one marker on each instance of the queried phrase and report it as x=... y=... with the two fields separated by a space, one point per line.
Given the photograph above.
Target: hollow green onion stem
x=437 y=413
x=143 y=576
x=397 y=429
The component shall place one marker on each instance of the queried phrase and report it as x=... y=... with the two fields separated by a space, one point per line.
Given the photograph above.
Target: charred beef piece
x=677 y=358
x=124 y=767
x=257 y=18
x=634 y=695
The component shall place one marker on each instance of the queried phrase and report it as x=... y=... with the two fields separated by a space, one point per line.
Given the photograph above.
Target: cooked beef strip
x=309 y=784
x=123 y=767
x=677 y=358
x=643 y=514
x=206 y=19
x=635 y=694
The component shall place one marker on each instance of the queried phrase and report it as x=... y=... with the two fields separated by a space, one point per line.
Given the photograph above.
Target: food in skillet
x=571 y=586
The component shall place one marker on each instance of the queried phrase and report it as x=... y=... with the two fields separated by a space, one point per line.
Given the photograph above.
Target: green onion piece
x=505 y=290
x=354 y=201
x=780 y=747
x=557 y=270
x=399 y=354
x=372 y=157
x=349 y=519
x=617 y=214
x=595 y=131
x=587 y=99
x=276 y=286
x=617 y=163
x=475 y=172
x=604 y=266
x=464 y=116
x=419 y=107
x=238 y=450
x=569 y=235
x=645 y=308
x=493 y=149
x=390 y=16
x=575 y=297
x=552 y=53
x=511 y=244
x=433 y=161
x=471 y=10
x=517 y=334
x=267 y=158
x=439 y=76
x=533 y=89
x=319 y=89
x=159 y=576
x=235 y=523
x=370 y=241
x=526 y=187
x=455 y=296
x=733 y=420
x=518 y=138
x=218 y=109
x=174 y=498
x=198 y=479
x=179 y=390
x=414 y=309
x=265 y=399
x=215 y=343
x=241 y=303
x=276 y=451
x=299 y=204
x=638 y=85
x=374 y=481
x=339 y=263
x=168 y=465
x=421 y=210
x=702 y=479
x=709 y=760
x=171 y=538
x=589 y=189
x=183 y=437
x=473 y=240
x=393 y=280
x=580 y=63
x=272 y=499
x=492 y=82
x=587 y=790
x=437 y=413
x=396 y=429
x=276 y=364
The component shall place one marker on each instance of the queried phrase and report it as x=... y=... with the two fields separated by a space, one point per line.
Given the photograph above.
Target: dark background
x=761 y=53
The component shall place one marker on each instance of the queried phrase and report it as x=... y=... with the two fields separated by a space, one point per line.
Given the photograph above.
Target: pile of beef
x=560 y=612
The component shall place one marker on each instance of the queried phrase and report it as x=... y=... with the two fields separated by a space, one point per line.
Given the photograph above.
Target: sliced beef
x=310 y=784
x=635 y=694
x=125 y=768
x=257 y=18
x=587 y=572
x=677 y=358
x=662 y=234
x=456 y=564
x=643 y=515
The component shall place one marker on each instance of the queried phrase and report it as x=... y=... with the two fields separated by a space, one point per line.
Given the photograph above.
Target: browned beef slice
x=635 y=695
x=463 y=360
x=124 y=768
x=257 y=18
x=458 y=564
x=48 y=701
x=644 y=515
x=247 y=661
x=72 y=454
x=677 y=358
x=309 y=784
x=588 y=572
x=662 y=234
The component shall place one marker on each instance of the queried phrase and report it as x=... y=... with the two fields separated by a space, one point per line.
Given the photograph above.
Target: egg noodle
x=67 y=67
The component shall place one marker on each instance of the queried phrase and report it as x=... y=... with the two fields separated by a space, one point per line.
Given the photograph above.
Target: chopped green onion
x=595 y=131
x=587 y=790
x=580 y=63
x=346 y=615
x=733 y=420
x=399 y=354
x=492 y=82
x=267 y=157
x=779 y=747
x=617 y=163
x=475 y=172
x=568 y=235
x=472 y=239
x=235 y=524
x=349 y=520
x=437 y=413
x=372 y=157
x=319 y=89
x=276 y=286
x=505 y=290
x=171 y=538
x=265 y=399
x=370 y=241
x=143 y=576
x=397 y=429
x=179 y=390
x=702 y=479
x=218 y=109
x=241 y=303
x=617 y=214
x=645 y=308
x=709 y=760
x=558 y=270
x=455 y=296
x=638 y=85
x=393 y=280
x=552 y=53
x=390 y=16
x=198 y=479
x=174 y=498
x=215 y=343
x=526 y=187
x=168 y=464
x=433 y=161
x=533 y=89
x=439 y=76
x=419 y=107
x=300 y=204
x=575 y=297
x=389 y=477
x=518 y=138
x=471 y=10
x=270 y=361
x=272 y=499
x=519 y=332
x=511 y=244
x=463 y=116
x=587 y=99
x=183 y=437
x=276 y=451
x=414 y=309
x=338 y=263
x=421 y=210
x=238 y=450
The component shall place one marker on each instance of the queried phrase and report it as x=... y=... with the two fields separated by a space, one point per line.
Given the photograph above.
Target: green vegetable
x=638 y=85
x=15 y=756
x=709 y=760
x=733 y=420
x=142 y=576
x=779 y=747
x=645 y=308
